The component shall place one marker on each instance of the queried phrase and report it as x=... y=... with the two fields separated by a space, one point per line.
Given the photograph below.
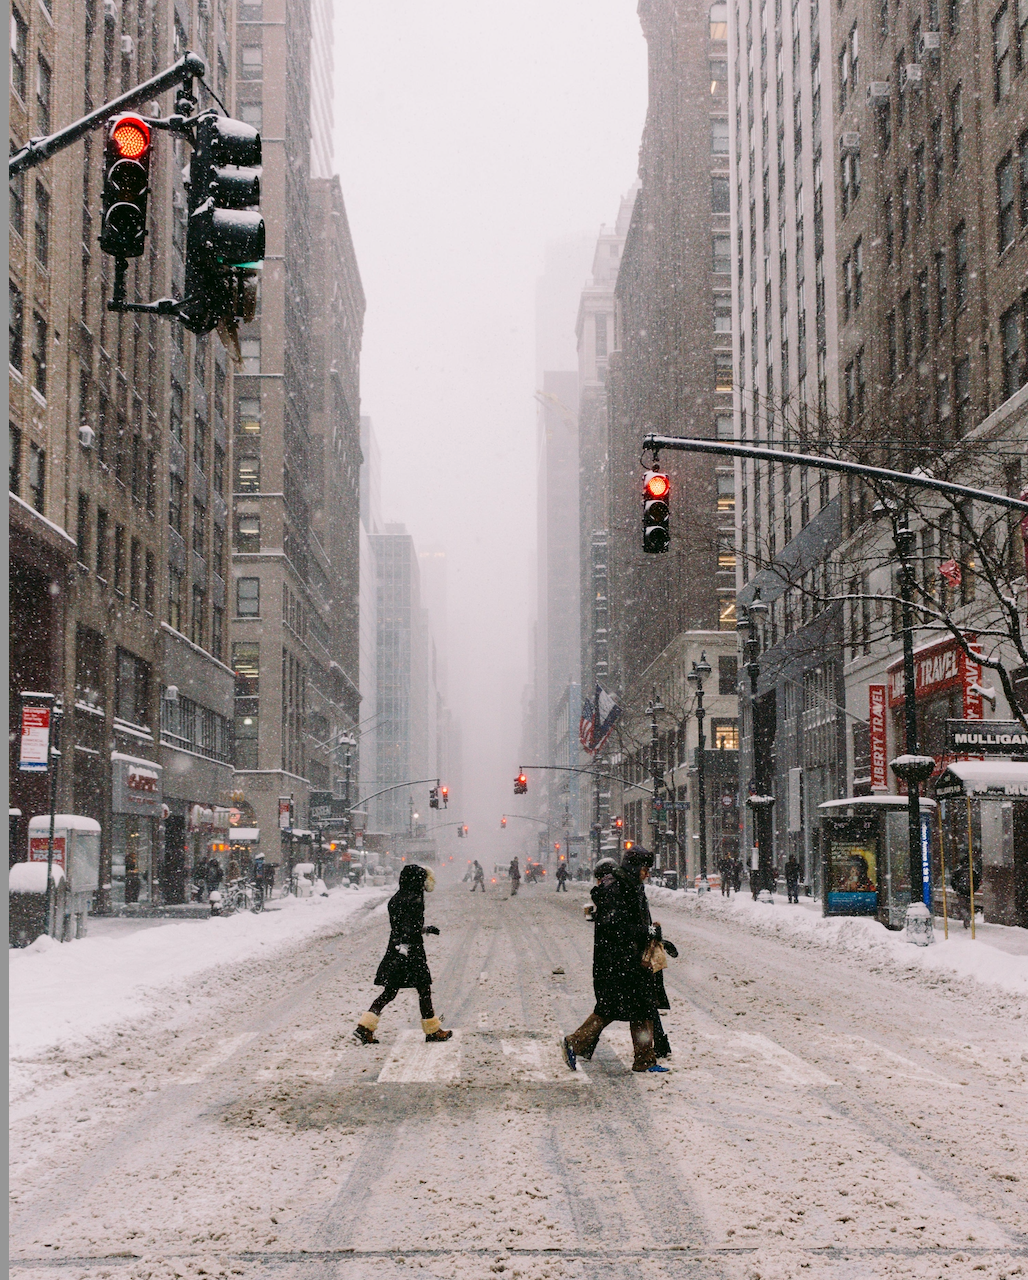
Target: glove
x=654 y=932
x=671 y=949
x=430 y=928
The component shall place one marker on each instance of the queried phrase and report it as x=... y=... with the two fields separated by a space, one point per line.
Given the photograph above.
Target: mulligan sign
x=986 y=738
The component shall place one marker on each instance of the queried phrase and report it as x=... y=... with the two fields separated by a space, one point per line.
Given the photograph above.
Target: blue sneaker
x=568 y=1054
x=657 y=1069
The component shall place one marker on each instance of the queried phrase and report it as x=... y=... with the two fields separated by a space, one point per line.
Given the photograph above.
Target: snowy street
x=828 y=1113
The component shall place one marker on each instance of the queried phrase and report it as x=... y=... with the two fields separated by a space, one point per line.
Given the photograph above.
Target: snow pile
x=60 y=995
x=956 y=958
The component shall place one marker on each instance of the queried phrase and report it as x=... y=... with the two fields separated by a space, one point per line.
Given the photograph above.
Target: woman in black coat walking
x=405 y=963
x=623 y=988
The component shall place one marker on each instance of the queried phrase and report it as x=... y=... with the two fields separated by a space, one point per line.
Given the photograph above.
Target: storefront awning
x=985 y=780
x=244 y=835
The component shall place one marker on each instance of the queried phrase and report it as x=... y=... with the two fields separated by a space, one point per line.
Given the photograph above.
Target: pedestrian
x=961 y=882
x=269 y=879
x=792 y=878
x=562 y=878
x=514 y=871
x=405 y=963
x=727 y=876
x=623 y=988
x=478 y=876
x=737 y=874
x=212 y=874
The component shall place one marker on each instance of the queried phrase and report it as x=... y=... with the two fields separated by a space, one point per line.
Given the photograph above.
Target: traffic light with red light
x=656 y=512
x=464 y=829
x=225 y=232
x=520 y=785
x=444 y=795
x=126 y=187
x=503 y=824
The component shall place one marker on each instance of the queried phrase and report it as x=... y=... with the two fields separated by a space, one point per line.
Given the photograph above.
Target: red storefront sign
x=38 y=846
x=879 y=751
x=937 y=667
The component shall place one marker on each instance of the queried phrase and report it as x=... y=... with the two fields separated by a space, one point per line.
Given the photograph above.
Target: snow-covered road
x=827 y=1115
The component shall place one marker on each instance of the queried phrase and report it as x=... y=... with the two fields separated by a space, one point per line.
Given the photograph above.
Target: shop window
x=724 y=735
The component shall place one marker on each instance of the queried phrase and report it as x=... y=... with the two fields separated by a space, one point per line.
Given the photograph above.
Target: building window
x=1001 y=51
x=960 y=267
x=719 y=136
x=724 y=734
x=16 y=186
x=174 y=598
x=718 y=75
x=941 y=289
x=199 y=443
x=962 y=394
x=248 y=597
x=956 y=127
x=248 y=533
x=197 y=619
x=249 y=416
x=39 y=346
x=19 y=55
x=252 y=113
x=1005 y=215
x=908 y=329
x=119 y=559
x=175 y=490
x=1010 y=336
x=135 y=571
x=217 y=632
x=218 y=550
x=601 y=335
x=16 y=326
x=37 y=475
x=904 y=204
x=1022 y=165
x=890 y=231
x=132 y=689
x=149 y=583
x=723 y=427
x=938 y=158
x=251 y=62
x=722 y=264
x=847 y=287
x=920 y=186
x=723 y=313
x=44 y=94
x=82 y=528
x=250 y=350
x=890 y=338
x=218 y=473
x=922 y=310
x=14 y=458
x=101 y=544
x=720 y=195
x=199 y=528
x=248 y=475
x=719 y=22
x=723 y=372
x=726 y=492
x=151 y=481
x=858 y=273
x=175 y=410
x=42 y=225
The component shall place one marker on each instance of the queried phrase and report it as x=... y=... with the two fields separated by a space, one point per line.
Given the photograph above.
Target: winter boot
x=364 y=1032
x=433 y=1030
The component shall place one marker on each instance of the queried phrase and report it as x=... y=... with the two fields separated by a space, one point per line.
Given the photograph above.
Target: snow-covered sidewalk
x=997 y=957
x=67 y=994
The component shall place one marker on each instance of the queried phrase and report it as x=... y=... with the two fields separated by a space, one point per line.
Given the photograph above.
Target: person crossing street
x=562 y=878
x=514 y=872
x=477 y=876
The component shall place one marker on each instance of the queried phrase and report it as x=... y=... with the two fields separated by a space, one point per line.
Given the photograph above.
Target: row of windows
x=41 y=226
x=39 y=336
x=117 y=557
x=34 y=468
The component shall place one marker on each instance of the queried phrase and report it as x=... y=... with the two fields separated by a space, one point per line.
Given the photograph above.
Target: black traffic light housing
x=225 y=230
x=444 y=795
x=126 y=189
x=656 y=512
x=520 y=785
x=433 y=798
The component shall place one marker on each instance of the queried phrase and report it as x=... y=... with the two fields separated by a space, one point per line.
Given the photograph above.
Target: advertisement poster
x=879 y=752
x=35 y=739
x=38 y=846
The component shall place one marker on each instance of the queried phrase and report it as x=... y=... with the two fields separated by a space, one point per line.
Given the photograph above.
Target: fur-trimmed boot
x=364 y=1031
x=433 y=1030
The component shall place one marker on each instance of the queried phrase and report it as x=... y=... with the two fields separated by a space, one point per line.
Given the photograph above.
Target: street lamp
x=761 y=797
x=655 y=706
x=700 y=671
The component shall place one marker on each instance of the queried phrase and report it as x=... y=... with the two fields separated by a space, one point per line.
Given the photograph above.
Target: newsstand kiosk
x=865 y=857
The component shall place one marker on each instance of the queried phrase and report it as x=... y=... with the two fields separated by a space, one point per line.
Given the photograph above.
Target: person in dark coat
x=515 y=876
x=792 y=878
x=727 y=869
x=405 y=963
x=213 y=874
x=562 y=878
x=478 y=876
x=623 y=989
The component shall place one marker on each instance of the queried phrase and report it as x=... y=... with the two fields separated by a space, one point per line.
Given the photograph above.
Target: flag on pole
x=604 y=714
x=585 y=725
x=950 y=570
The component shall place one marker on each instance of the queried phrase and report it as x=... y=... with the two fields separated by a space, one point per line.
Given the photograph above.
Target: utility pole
x=700 y=671
x=655 y=771
x=761 y=797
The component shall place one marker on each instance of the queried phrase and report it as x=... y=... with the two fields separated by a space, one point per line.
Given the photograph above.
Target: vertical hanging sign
x=879 y=752
x=285 y=805
x=35 y=739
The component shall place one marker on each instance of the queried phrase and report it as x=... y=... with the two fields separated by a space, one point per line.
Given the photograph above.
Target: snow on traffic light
x=520 y=785
x=656 y=512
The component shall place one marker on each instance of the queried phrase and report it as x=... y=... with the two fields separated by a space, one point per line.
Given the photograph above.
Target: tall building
x=670 y=369
x=370 y=524
x=296 y=450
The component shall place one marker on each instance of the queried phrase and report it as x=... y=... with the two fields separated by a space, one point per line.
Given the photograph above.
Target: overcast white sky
x=470 y=133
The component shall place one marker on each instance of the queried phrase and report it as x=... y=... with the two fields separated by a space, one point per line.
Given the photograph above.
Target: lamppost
x=655 y=706
x=761 y=798
x=700 y=671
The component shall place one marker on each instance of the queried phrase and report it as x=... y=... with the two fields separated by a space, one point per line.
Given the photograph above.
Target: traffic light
x=126 y=187
x=503 y=824
x=656 y=512
x=225 y=232
x=520 y=785
x=433 y=798
x=615 y=826
x=464 y=829
x=444 y=795
x=556 y=846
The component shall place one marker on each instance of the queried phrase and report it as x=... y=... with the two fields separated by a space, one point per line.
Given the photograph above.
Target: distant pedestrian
x=727 y=876
x=514 y=872
x=405 y=963
x=269 y=879
x=737 y=874
x=792 y=878
x=478 y=876
x=622 y=987
x=213 y=874
x=961 y=882
x=562 y=878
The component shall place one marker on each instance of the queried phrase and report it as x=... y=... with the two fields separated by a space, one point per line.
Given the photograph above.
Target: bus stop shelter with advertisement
x=984 y=813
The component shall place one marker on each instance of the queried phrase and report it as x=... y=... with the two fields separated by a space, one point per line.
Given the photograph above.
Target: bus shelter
x=865 y=857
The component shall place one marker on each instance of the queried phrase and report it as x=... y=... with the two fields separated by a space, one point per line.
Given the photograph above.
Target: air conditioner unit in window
x=849 y=143
x=931 y=43
x=878 y=92
x=127 y=46
x=912 y=74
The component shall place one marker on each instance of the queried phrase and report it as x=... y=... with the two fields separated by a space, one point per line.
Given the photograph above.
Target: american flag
x=599 y=716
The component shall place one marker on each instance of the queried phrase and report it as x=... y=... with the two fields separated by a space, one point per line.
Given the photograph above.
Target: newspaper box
x=77 y=853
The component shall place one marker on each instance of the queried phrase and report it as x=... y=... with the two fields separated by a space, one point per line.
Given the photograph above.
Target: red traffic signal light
x=444 y=793
x=656 y=512
x=131 y=137
x=520 y=785
x=657 y=485
x=465 y=828
x=126 y=187
x=503 y=823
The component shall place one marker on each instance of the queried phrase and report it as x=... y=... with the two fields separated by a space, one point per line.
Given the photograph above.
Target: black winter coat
x=624 y=990
x=406 y=926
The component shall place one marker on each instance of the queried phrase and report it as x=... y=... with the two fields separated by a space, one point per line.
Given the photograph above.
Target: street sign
x=986 y=737
x=35 y=739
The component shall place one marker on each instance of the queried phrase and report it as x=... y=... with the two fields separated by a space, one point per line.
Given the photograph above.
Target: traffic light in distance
x=503 y=824
x=433 y=798
x=444 y=794
x=615 y=825
x=464 y=829
x=126 y=187
x=656 y=512
x=225 y=231
x=520 y=785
